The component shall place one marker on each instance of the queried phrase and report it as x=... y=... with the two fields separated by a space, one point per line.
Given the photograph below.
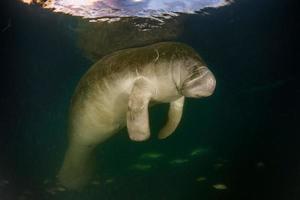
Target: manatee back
x=138 y=58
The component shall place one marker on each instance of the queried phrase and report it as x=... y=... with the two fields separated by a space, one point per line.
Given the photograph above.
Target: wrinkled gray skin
x=117 y=91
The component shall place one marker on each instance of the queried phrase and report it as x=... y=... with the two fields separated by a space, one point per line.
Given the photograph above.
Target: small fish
x=61 y=189
x=110 y=180
x=260 y=164
x=178 y=161
x=151 y=155
x=142 y=167
x=198 y=151
x=95 y=182
x=218 y=165
x=51 y=191
x=220 y=186
x=55 y=189
x=200 y=179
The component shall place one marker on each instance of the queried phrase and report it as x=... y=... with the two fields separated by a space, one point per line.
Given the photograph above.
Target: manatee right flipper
x=174 y=117
x=137 y=113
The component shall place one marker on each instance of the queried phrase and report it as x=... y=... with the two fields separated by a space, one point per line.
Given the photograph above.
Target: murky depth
x=240 y=143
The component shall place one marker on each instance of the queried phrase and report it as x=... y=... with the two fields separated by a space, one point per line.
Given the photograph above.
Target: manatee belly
x=101 y=113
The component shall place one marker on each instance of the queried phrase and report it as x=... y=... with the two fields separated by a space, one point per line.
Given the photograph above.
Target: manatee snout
x=208 y=84
x=203 y=85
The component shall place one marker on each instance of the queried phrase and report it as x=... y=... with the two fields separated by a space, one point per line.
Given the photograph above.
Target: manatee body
x=116 y=92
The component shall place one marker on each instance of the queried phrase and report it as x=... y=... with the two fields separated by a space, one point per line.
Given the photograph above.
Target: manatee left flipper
x=137 y=113
x=174 y=117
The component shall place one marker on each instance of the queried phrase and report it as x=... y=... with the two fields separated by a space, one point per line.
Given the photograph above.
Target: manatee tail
x=78 y=166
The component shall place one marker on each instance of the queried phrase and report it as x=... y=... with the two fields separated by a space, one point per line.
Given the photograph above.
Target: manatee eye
x=195 y=69
x=195 y=72
x=193 y=76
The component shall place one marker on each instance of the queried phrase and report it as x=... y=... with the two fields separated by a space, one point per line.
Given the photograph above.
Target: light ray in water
x=97 y=9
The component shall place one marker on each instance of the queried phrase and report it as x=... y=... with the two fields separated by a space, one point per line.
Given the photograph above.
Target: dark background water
x=249 y=125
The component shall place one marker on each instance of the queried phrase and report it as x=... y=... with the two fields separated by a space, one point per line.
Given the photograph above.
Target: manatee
x=117 y=91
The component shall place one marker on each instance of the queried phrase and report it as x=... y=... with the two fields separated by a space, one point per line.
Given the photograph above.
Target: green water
x=244 y=137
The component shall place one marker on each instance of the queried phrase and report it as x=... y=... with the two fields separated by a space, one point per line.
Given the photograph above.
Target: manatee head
x=198 y=82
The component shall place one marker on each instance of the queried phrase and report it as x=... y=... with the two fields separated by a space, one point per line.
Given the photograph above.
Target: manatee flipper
x=137 y=113
x=174 y=116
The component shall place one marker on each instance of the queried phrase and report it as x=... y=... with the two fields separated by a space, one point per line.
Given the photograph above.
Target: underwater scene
x=149 y=100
